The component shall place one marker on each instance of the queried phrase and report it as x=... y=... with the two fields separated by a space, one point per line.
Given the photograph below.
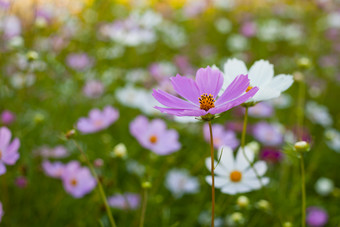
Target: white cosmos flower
x=234 y=175
x=261 y=75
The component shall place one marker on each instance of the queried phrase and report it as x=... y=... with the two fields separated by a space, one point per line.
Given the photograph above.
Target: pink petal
x=209 y=81
x=186 y=87
x=182 y=112
x=5 y=137
x=171 y=101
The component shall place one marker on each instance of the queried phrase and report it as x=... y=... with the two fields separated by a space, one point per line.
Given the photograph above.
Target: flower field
x=169 y=113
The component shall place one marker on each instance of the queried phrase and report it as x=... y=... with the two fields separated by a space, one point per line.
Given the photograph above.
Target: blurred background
x=61 y=59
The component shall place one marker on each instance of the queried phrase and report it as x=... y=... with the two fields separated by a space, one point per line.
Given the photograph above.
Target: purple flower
x=154 y=135
x=271 y=155
x=248 y=29
x=1 y=212
x=93 y=89
x=54 y=170
x=21 y=182
x=268 y=134
x=221 y=136
x=7 y=117
x=126 y=201
x=8 y=151
x=261 y=109
x=77 y=180
x=316 y=217
x=201 y=94
x=79 y=61
x=56 y=152
x=98 y=120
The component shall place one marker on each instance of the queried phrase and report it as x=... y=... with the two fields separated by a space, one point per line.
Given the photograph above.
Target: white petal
x=254 y=183
x=229 y=189
x=265 y=93
x=261 y=73
x=241 y=187
x=281 y=82
x=219 y=169
x=241 y=162
x=227 y=159
x=232 y=68
x=219 y=181
x=261 y=168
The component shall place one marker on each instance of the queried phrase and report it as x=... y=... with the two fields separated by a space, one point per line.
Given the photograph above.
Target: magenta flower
x=21 y=182
x=268 y=134
x=77 y=180
x=221 y=136
x=126 y=201
x=79 y=61
x=201 y=94
x=98 y=120
x=154 y=135
x=54 y=170
x=271 y=155
x=8 y=151
x=1 y=212
x=316 y=217
x=7 y=117
x=56 y=152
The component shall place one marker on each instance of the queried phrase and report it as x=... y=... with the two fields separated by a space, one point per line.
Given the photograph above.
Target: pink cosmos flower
x=154 y=135
x=201 y=94
x=77 y=180
x=79 y=61
x=54 y=170
x=8 y=151
x=221 y=136
x=98 y=120
x=93 y=89
x=21 y=182
x=268 y=134
x=316 y=216
x=56 y=152
x=7 y=117
x=126 y=201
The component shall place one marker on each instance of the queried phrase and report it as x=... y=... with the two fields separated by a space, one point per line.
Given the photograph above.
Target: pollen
x=235 y=176
x=206 y=102
x=153 y=139
x=0 y=154
x=74 y=182
x=249 y=88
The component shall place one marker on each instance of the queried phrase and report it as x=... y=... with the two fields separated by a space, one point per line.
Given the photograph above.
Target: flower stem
x=145 y=200
x=100 y=187
x=303 y=191
x=213 y=177
x=243 y=139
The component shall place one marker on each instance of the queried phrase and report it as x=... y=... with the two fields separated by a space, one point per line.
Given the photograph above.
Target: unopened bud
x=263 y=205
x=32 y=55
x=301 y=146
x=119 y=151
x=287 y=224
x=70 y=134
x=304 y=62
x=237 y=217
x=254 y=146
x=146 y=184
x=243 y=201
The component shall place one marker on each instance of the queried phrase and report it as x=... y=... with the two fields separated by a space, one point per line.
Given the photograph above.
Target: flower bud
x=119 y=151
x=254 y=146
x=146 y=184
x=263 y=205
x=32 y=55
x=304 y=63
x=287 y=224
x=301 y=146
x=242 y=201
x=237 y=217
x=70 y=134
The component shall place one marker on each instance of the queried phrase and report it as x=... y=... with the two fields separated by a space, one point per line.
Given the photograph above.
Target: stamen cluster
x=206 y=102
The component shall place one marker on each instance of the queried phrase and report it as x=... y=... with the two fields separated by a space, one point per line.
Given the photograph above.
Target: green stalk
x=145 y=199
x=212 y=175
x=100 y=187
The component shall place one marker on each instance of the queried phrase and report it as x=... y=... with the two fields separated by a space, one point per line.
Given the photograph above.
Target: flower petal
x=232 y=68
x=226 y=106
x=227 y=158
x=182 y=112
x=2 y=168
x=261 y=73
x=186 y=87
x=241 y=162
x=237 y=87
x=281 y=82
x=5 y=137
x=219 y=181
x=265 y=93
x=209 y=81
x=171 y=101
x=219 y=169
x=229 y=189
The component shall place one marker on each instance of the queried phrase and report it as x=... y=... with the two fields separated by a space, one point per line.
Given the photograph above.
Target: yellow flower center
x=0 y=154
x=153 y=139
x=74 y=182
x=206 y=102
x=98 y=123
x=235 y=176
x=249 y=88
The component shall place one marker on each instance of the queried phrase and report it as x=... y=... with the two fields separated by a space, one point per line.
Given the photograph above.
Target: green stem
x=100 y=187
x=145 y=200
x=243 y=139
x=303 y=190
x=212 y=175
